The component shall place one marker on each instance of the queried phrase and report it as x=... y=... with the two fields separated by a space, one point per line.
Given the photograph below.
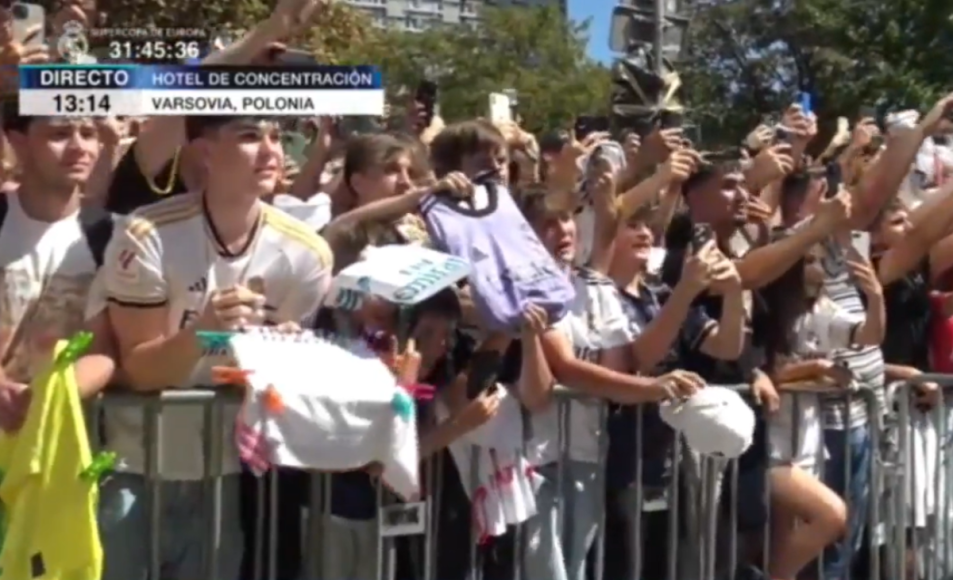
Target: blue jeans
x=124 y=529
x=546 y=554
x=837 y=558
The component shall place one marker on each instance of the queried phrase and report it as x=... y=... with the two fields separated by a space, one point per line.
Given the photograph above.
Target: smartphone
x=426 y=94
x=833 y=175
x=29 y=21
x=656 y=259
x=861 y=243
x=484 y=368
x=294 y=57
x=670 y=120
x=500 y=111
x=804 y=101
x=782 y=135
x=586 y=125
x=701 y=235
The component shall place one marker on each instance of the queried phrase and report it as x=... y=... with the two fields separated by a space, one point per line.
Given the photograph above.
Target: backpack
x=96 y=223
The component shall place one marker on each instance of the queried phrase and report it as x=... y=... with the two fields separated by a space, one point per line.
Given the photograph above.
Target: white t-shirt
x=795 y=431
x=315 y=211
x=47 y=270
x=164 y=257
x=596 y=322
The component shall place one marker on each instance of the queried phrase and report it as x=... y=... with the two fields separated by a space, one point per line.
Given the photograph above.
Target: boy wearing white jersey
x=216 y=260
x=50 y=249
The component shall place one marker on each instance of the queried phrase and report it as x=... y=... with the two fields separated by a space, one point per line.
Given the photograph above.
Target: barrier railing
x=700 y=502
x=918 y=531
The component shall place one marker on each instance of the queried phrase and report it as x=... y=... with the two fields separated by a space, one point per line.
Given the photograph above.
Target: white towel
x=506 y=483
x=348 y=413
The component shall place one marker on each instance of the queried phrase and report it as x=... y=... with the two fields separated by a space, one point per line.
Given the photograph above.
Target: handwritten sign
x=399 y=274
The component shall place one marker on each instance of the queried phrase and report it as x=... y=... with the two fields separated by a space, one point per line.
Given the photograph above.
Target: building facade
x=416 y=15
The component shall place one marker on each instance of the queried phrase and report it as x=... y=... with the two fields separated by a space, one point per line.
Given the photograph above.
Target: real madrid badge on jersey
x=73 y=45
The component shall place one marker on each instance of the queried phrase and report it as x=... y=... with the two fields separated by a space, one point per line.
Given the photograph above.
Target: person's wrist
x=274 y=27
x=686 y=290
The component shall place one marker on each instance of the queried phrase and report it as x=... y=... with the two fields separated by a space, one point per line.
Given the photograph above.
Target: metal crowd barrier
x=700 y=501
x=918 y=531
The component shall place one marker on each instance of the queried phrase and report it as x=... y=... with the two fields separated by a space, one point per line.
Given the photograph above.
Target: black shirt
x=907 y=305
x=131 y=190
x=715 y=371
x=623 y=426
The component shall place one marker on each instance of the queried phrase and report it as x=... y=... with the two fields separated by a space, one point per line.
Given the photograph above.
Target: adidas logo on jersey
x=200 y=286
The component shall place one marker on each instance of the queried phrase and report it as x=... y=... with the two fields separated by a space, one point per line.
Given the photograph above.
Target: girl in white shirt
x=800 y=336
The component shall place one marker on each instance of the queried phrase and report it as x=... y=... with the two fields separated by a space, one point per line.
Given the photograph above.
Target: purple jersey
x=511 y=267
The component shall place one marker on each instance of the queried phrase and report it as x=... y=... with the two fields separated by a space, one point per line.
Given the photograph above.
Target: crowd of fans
x=690 y=269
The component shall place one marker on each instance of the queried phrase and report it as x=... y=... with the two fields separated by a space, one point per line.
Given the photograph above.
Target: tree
x=336 y=29
x=533 y=50
x=749 y=57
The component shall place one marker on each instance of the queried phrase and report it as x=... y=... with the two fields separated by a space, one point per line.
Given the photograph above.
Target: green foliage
x=533 y=50
x=749 y=57
x=336 y=29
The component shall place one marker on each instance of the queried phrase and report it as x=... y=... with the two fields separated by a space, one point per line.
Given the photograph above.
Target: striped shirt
x=867 y=363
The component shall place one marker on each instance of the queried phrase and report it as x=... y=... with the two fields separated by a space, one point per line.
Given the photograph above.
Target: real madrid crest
x=73 y=45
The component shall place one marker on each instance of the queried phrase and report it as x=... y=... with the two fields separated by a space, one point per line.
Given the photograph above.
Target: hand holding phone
x=426 y=97
x=29 y=21
x=781 y=135
x=500 y=111
x=804 y=101
x=702 y=234
x=484 y=369
x=834 y=176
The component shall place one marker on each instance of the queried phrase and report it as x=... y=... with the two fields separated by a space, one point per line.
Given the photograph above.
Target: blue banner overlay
x=137 y=77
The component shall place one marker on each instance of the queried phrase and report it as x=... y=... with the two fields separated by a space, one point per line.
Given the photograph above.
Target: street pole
x=657 y=41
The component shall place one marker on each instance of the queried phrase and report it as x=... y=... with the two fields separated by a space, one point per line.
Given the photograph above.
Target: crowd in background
x=751 y=265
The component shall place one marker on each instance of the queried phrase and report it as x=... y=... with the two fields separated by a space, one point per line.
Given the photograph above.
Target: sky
x=600 y=11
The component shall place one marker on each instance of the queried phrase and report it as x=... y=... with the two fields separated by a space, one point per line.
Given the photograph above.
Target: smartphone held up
x=586 y=125
x=28 y=23
x=702 y=235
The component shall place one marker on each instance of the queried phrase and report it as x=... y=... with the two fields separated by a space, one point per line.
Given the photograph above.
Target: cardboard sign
x=401 y=274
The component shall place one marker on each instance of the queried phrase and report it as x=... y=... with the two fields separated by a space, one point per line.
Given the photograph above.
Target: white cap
x=715 y=421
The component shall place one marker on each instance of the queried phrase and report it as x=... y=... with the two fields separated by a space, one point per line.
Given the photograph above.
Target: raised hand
x=659 y=144
x=835 y=211
x=761 y=137
x=680 y=165
x=456 y=185
x=697 y=270
x=865 y=278
x=770 y=164
x=535 y=321
x=942 y=109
